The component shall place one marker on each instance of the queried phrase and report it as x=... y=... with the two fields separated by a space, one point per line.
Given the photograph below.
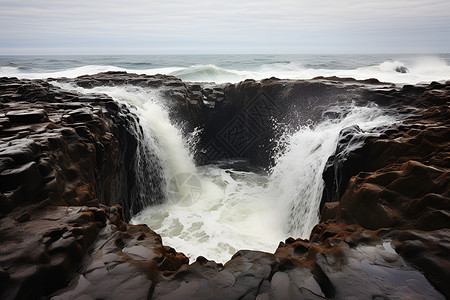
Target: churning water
x=417 y=68
x=218 y=209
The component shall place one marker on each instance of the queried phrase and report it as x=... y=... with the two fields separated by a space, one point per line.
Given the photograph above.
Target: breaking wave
x=412 y=71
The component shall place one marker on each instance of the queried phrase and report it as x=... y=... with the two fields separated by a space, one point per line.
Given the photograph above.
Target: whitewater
x=235 y=205
x=419 y=68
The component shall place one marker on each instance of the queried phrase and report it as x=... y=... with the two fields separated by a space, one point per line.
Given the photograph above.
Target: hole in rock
x=215 y=209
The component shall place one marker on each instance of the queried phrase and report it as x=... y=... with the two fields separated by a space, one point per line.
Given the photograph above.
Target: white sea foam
x=79 y=71
x=70 y=73
x=231 y=214
x=238 y=209
x=420 y=70
x=161 y=135
x=296 y=180
x=245 y=210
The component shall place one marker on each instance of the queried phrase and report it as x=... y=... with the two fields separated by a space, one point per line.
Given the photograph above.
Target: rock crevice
x=67 y=173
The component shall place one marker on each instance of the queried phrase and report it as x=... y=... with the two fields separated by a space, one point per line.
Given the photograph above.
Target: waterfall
x=161 y=152
x=218 y=209
x=146 y=183
x=296 y=179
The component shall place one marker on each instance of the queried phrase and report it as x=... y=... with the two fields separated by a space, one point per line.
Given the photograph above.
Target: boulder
x=401 y=69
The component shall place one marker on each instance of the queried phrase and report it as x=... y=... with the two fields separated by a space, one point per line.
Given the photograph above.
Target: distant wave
x=17 y=67
x=138 y=64
x=72 y=72
x=422 y=70
x=9 y=71
x=209 y=73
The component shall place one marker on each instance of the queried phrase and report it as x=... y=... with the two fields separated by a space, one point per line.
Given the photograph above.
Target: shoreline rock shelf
x=66 y=181
x=59 y=168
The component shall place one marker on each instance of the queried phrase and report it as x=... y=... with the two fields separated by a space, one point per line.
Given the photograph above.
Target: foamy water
x=235 y=68
x=232 y=207
x=296 y=179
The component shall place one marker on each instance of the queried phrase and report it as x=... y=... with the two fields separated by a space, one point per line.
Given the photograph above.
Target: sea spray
x=238 y=207
x=232 y=213
x=243 y=209
x=234 y=68
x=296 y=179
x=161 y=153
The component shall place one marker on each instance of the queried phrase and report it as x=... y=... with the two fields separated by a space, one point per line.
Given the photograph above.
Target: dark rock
x=401 y=69
x=131 y=266
x=42 y=250
x=393 y=192
x=5 y=122
x=334 y=174
x=23 y=218
x=4 y=280
x=20 y=150
x=5 y=163
x=27 y=116
x=428 y=252
x=82 y=114
x=25 y=176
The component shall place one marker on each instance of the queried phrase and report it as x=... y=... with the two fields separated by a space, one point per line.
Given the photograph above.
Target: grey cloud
x=182 y=26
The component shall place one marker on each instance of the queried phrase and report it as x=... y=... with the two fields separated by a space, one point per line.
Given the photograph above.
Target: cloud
x=228 y=26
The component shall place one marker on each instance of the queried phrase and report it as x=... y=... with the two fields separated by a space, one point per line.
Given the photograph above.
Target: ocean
x=418 y=68
x=236 y=208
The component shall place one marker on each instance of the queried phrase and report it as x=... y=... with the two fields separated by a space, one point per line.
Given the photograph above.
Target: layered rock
x=387 y=233
x=246 y=119
x=61 y=149
x=354 y=264
x=243 y=120
x=63 y=156
x=400 y=181
x=66 y=159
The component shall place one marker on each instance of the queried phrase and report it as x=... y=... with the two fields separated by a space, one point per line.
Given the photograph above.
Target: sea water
x=233 y=205
x=420 y=68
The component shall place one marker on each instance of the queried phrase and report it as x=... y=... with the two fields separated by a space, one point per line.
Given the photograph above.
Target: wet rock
x=393 y=192
x=24 y=174
x=27 y=116
x=5 y=163
x=401 y=69
x=124 y=260
x=35 y=252
x=81 y=114
x=400 y=180
x=322 y=272
x=5 y=122
x=428 y=252
x=78 y=134
x=20 y=150
x=335 y=176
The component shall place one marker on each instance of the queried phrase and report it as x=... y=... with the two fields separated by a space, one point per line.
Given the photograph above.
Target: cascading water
x=232 y=206
x=296 y=179
x=149 y=184
x=160 y=154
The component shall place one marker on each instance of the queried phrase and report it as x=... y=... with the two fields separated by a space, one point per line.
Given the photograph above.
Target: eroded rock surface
x=63 y=157
x=66 y=161
x=400 y=181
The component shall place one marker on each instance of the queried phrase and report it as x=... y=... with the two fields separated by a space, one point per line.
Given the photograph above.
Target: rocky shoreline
x=67 y=182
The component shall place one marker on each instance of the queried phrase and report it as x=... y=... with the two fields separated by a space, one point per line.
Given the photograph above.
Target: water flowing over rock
x=74 y=168
x=62 y=159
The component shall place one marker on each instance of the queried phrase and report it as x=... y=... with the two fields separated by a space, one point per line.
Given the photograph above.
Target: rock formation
x=63 y=157
x=67 y=184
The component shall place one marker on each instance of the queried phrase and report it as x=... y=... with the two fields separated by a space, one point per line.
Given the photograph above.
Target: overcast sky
x=224 y=26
